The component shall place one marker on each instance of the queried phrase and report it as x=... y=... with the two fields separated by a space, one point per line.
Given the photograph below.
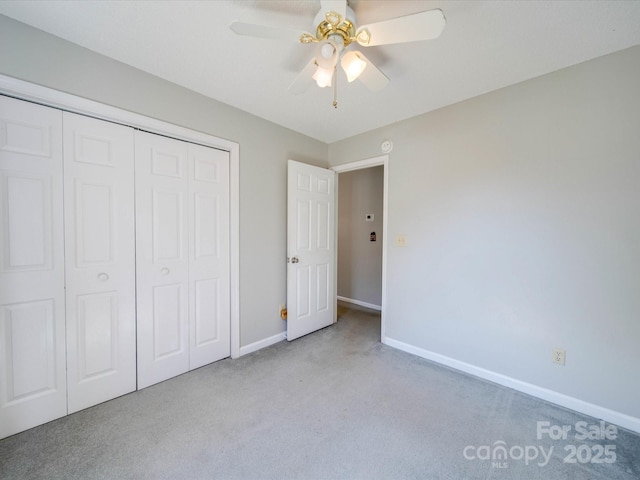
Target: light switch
x=401 y=240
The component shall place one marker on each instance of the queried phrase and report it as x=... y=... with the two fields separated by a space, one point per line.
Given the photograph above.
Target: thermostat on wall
x=386 y=146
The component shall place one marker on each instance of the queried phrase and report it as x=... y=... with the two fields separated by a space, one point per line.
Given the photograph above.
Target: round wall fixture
x=386 y=146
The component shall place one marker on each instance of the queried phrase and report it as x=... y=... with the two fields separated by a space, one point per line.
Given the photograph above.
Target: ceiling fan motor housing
x=331 y=25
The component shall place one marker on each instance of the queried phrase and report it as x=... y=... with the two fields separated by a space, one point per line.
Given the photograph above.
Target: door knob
x=103 y=277
x=164 y=271
x=295 y=260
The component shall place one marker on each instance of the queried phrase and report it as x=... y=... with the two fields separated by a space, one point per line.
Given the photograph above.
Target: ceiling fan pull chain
x=335 y=87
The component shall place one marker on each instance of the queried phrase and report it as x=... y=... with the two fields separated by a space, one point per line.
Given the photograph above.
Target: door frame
x=361 y=165
x=23 y=90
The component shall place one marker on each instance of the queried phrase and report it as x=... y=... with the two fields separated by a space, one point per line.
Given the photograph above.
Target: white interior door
x=209 y=306
x=100 y=260
x=32 y=314
x=310 y=249
x=161 y=257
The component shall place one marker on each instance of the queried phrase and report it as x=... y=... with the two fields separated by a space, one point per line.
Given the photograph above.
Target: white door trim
x=359 y=165
x=71 y=103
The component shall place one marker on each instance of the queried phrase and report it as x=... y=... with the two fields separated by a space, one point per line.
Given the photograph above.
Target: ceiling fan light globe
x=327 y=50
x=323 y=76
x=327 y=54
x=353 y=65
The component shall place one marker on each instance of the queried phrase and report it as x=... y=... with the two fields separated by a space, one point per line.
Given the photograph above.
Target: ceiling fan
x=336 y=30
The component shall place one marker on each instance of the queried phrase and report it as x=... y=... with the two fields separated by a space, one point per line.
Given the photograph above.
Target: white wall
x=359 y=259
x=521 y=209
x=34 y=56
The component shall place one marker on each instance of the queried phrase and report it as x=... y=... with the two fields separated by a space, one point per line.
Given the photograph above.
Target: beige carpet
x=335 y=404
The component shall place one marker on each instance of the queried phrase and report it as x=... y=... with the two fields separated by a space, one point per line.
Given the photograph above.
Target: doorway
x=362 y=235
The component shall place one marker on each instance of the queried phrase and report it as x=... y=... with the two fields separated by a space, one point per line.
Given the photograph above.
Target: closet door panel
x=208 y=255
x=168 y=320
x=162 y=258
x=32 y=313
x=100 y=260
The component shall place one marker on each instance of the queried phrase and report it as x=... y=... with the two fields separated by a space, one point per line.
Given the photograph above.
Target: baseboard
x=362 y=304
x=260 y=344
x=602 y=413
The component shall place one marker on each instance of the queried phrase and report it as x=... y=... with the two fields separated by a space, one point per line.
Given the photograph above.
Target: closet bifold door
x=162 y=264
x=182 y=235
x=209 y=307
x=100 y=260
x=32 y=340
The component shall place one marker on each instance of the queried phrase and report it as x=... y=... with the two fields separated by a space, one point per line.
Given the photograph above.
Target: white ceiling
x=485 y=45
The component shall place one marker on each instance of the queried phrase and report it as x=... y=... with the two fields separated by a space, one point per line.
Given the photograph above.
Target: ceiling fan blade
x=338 y=6
x=304 y=79
x=265 y=31
x=371 y=77
x=410 y=28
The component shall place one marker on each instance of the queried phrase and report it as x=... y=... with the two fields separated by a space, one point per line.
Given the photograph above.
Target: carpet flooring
x=336 y=404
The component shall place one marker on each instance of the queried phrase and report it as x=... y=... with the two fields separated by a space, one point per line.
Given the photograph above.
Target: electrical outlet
x=559 y=356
